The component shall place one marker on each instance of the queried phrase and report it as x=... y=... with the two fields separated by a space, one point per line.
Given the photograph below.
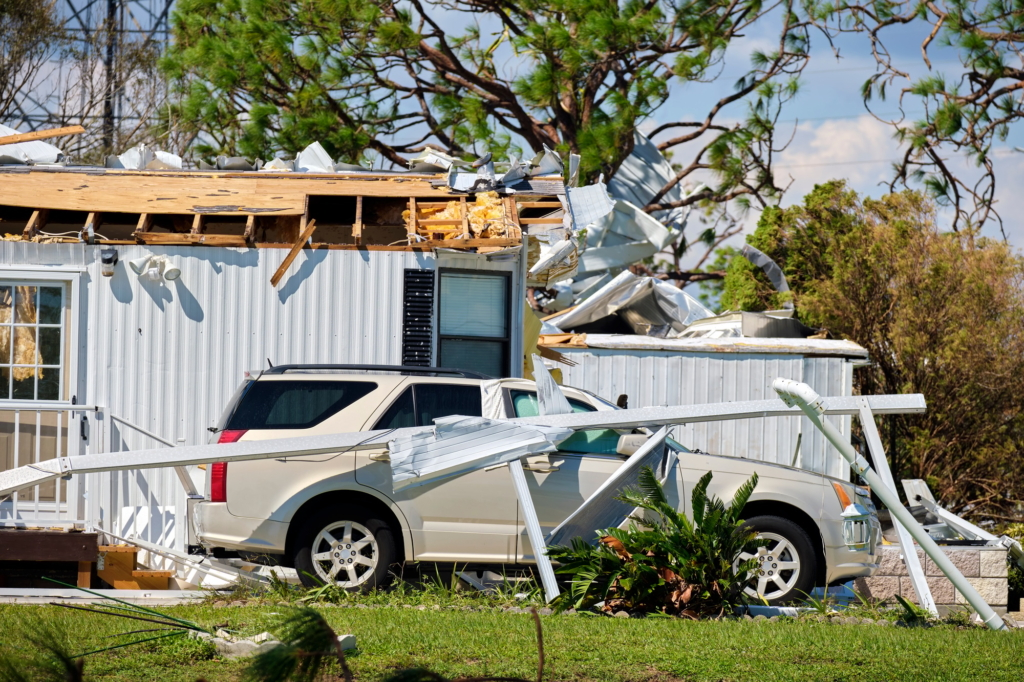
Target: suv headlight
x=859 y=520
x=857 y=527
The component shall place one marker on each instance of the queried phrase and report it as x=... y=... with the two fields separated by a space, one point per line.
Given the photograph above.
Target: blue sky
x=833 y=134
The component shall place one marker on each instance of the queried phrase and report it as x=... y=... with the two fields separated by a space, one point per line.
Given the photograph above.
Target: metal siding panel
x=168 y=356
x=654 y=378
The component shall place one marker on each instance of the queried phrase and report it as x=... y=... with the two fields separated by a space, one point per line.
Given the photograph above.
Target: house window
x=32 y=339
x=474 y=329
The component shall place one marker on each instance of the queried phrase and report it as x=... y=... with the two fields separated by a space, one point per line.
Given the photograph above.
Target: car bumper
x=238 y=532
x=845 y=562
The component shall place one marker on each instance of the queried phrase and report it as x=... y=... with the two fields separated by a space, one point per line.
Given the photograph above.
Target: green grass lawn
x=579 y=647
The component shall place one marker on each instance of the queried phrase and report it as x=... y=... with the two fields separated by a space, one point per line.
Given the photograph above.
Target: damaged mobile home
x=134 y=297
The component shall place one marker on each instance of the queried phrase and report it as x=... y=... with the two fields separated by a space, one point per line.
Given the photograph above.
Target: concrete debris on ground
x=230 y=646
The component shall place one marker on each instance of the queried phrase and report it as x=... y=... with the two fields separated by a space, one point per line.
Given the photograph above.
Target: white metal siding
x=167 y=356
x=656 y=378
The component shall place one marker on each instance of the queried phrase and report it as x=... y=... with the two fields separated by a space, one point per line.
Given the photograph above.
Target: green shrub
x=1016 y=573
x=663 y=562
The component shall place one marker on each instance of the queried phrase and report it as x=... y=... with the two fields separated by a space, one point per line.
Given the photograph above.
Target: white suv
x=337 y=517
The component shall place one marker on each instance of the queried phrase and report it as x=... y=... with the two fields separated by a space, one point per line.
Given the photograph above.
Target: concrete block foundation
x=984 y=568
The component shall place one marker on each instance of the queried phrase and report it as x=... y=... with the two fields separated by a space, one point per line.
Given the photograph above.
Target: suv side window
x=400 y=415
x=421 y=404
x=590 y=441
x=525 y=404
x=444 y=400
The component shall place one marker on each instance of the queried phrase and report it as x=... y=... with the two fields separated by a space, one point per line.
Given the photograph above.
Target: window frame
x=413 y=390
x=229 y=424
x=506 y=340
x=69 y=279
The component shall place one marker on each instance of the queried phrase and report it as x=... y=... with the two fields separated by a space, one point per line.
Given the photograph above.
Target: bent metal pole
x=802 y=395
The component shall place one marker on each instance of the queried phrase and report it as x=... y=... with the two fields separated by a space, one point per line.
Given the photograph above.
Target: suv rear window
x=294 y=404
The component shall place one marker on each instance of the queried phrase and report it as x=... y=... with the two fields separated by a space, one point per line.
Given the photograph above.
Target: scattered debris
x=648 y=306
x=143 y=157
x=28 y=152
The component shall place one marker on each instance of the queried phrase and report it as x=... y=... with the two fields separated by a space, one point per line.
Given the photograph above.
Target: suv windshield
x=294 y=404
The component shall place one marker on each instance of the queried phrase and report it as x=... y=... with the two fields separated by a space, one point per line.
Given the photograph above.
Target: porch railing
x=34 y=424
x=144 y=501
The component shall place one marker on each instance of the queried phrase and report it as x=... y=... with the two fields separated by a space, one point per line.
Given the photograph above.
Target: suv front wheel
x=344 y=547
x=787 y=565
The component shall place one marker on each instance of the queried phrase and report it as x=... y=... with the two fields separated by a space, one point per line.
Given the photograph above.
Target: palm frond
x=700 y=499
x=739 y=500
x=650 y=486
x=309 y=647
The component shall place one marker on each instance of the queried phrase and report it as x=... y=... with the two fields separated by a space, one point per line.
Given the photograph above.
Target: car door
x=561 y=481
x=471 y=517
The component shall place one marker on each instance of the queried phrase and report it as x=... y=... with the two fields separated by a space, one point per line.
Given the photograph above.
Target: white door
x=560 y=482
x=38 y=381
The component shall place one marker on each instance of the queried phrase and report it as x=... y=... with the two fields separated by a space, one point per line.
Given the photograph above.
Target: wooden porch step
x=121 y=571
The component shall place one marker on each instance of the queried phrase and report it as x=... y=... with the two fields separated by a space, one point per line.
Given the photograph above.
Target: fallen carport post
x=914 y=570
x=918 y=491
x=813 y=405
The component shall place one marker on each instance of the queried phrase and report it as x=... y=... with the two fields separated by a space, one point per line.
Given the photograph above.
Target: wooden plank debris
x=189 y=239
x=41 y=135
x=197 y=224
x=30 y=545
x=187 y=193
x=92 y=222
x=250 y=229
x=411 y=227
x=296 y=247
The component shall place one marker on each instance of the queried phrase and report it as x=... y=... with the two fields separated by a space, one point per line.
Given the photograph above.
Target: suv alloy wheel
x=787 y=564
x=345 y=547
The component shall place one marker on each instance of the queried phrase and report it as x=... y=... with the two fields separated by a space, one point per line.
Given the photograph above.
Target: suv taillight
x=219 y=482
x=219 y=470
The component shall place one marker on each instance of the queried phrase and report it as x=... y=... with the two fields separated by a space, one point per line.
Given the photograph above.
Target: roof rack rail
x=404 y=369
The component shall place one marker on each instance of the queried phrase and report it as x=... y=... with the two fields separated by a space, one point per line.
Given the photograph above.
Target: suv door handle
x=526 y=467
x=542 y=467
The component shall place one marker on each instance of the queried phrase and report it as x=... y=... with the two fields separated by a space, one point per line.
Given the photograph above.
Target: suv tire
x=789 y=563
x=346 y=546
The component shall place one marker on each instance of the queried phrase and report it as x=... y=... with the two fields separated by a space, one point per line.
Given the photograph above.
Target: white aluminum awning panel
x=35 y=474
x=747 y=409
x=460 y=444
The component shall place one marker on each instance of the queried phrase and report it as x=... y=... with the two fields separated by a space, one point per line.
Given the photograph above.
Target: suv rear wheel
x=346 y=547
x=787 y=564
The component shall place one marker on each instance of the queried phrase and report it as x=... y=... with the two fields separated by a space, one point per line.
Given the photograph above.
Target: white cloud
x=860 y=150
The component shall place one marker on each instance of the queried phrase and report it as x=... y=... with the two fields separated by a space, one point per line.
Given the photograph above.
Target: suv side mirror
x=630 y=443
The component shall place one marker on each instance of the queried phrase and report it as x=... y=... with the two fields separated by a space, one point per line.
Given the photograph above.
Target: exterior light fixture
x=108 y=259
x=154 y=268
x=138 y=265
